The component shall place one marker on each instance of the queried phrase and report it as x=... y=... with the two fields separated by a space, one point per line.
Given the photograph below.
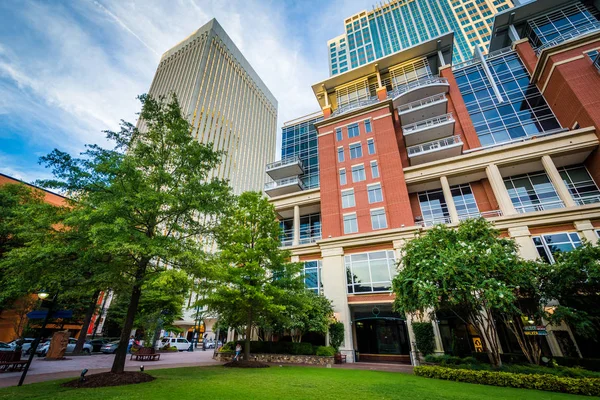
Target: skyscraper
x=225 y=100
x=399 y=24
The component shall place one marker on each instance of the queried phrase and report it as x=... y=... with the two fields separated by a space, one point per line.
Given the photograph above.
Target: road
x=43 y=370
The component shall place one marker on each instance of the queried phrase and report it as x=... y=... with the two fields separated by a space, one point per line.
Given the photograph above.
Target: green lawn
x=280 y=383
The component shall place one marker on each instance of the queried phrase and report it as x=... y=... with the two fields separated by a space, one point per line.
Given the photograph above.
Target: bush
x=584 y=386
x=450 y=360
x=336 y=335
x=424 y=337
x=591 y=364
x=325 y=351
x=277 y=347
x=229 y=346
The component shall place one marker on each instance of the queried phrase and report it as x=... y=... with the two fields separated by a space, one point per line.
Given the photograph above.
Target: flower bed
x=278 y=358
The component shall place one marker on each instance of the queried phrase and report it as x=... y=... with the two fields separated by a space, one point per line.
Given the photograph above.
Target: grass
x=279 y=383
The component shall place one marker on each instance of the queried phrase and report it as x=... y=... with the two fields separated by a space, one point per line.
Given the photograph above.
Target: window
x=287 y=232
x=465 y=203
x=375 y=194
x=368 y=128
x=342 y=176
x=374 y=169
x=548 y=246
x=532 y=192
x=340 y=154
x=348 y=198
x=433 y=207
x=312 y=276
x=350 y=223
x=338 y=134
x=371 y=146
x=358 y=173
x=582 y=187
x=353 y=130
x=355 y=150
x=370 y=272
x=378 y=219
x=310 y=228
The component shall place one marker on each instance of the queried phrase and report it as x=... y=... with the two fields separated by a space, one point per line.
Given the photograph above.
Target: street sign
x=533 y=330
x=41 y=314
x=478 y=345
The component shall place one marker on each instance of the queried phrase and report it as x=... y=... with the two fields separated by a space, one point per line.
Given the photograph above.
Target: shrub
x=278 y=347
x=336 y=335
x=591 y=364
x=325 y=351
x=424 y=337
x=584 y=386
x=229 y=346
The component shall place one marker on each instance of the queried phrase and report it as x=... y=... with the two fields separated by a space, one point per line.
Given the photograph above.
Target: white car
x=43 y=349
x=182 y=344
x=24 y=347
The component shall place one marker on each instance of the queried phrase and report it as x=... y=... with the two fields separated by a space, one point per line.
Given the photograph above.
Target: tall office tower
x=410 y=141
x=225 y=100
x=400 y=24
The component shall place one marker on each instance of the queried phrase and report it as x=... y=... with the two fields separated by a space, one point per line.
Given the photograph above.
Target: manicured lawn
x=280 y=383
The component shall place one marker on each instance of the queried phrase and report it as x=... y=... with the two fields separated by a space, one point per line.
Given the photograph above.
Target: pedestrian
x=238 y=350
x=130 y=345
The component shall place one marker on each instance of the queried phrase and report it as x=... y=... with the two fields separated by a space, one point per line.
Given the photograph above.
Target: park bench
x=11 y=361
x=145 y=354
x=340 y=358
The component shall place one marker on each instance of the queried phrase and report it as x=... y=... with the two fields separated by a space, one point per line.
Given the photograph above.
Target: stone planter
x=279 y=358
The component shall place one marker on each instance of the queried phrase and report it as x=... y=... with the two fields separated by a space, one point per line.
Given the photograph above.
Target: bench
x=145 y=354
x=11 y=361
x=339 y=358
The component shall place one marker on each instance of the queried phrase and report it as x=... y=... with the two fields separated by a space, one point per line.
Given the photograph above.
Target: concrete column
x=449 y=200
x=488 y=73
x=522 y=237
x=296 y=237
x=513 y=34
x=557 y=181
x=587 y=230
x=333 y=276
x=497 y=183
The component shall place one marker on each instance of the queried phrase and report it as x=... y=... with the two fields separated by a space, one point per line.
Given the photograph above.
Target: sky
x=70 y=69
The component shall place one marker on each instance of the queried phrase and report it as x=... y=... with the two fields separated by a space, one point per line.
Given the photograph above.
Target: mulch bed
x=246 y=364
x=110 y=379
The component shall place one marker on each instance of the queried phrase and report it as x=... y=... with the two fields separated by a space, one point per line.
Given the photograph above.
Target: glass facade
x=370 y=272
x=434 y=209
x=301 y=140
x=312 y=276
x=582 y=187
x=401 y=24
x=310 y=229
x=532 y=192
x=548 y=246
x=524 y=111
x=464 y=201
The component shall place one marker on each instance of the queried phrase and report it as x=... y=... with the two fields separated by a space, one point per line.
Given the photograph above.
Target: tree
x=253 y=279
x=311 y=313
x=336 y=335
x=470 y=268
x=149 y=202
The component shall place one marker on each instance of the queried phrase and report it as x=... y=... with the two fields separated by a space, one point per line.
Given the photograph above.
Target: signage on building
x=478 y=344
x=535 y=330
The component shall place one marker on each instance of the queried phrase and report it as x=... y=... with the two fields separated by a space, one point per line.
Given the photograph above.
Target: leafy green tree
x=470 y=268
x=424 y=337
x=253 y=279
x=336 y=335
x=149 y=202
x=310 y=313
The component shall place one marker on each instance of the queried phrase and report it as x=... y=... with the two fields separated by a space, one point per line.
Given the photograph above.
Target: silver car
x=5 y=347
x=42 y=350
x=110 y=347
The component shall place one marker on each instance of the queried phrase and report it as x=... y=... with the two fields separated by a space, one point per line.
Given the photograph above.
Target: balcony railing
x=588 y=28
x=284 y=161
x=308 y=240
x=415 y=84
x=433 y=221
x=284 y=182
x=427 y=123
x=354 y=105
x=550 y=205
x=482 y=214
x=583 y=200
x=420 y=103
x=435 y=145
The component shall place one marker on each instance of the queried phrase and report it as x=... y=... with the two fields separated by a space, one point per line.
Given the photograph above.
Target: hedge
x=424 y=336
x=551 y=383
x=304 y=349
x=326 y=351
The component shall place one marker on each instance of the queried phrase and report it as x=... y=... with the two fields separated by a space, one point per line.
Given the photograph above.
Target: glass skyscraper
x=399 y=24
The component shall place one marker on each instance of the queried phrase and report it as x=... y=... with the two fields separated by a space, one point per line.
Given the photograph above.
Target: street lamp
x=42 y=294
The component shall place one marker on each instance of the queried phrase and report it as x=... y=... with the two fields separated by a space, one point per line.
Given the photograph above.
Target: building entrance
x=381 y=338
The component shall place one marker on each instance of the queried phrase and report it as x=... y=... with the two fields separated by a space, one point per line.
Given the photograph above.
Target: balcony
x=354 y=106
x=583 y=200
x=428 y=130
x=583 y=30
x=423 y=109
x=284 y=168
x=433 y=221
x=284 y=186
x=309 y=240
x=550 y=205
x=481 y=214
x=418 y=90
x=436 y=150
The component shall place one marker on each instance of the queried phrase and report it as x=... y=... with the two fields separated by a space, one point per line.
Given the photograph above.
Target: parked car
x=110 y=347
x=181 y=343
x=25 y=346
x=42 y=350
x=97 y=344
x=210 y=345
x=5 y=347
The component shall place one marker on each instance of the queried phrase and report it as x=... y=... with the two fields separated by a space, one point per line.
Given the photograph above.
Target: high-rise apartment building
x=225 y=100
x=399 y=24
x=411 y=140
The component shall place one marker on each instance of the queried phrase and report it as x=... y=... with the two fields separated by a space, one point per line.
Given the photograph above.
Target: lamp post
x=42 y=295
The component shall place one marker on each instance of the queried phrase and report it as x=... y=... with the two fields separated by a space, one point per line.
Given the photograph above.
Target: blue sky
x=70 y=69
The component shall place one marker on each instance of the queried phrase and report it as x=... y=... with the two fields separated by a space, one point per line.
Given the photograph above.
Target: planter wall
x=279 y=358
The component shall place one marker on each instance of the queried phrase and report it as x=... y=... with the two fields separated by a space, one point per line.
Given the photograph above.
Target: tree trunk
x=86 y=323
x=248 y=333
x=121 y=354
x=483 y=321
